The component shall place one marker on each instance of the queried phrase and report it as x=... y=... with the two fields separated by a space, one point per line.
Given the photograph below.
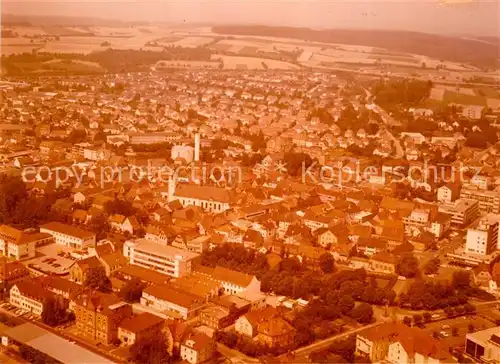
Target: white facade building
x=162 y=258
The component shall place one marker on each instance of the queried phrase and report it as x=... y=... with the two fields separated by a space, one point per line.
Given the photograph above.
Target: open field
x=193 y=41
x=231 y=62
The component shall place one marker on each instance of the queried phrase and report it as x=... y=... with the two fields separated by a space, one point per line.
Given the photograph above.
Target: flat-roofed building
x=484 y=237
x=68 y=235
x=489 y=201
x=484 y=345
x=19 y=245
x=462 y=211
x=165 y=259
x=171 y=301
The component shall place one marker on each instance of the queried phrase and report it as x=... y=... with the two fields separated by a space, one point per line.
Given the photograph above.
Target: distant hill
x=37 y=20
x=448 y=48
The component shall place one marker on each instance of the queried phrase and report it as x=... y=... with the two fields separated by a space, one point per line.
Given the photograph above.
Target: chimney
x=171 y=188
x=197 y=147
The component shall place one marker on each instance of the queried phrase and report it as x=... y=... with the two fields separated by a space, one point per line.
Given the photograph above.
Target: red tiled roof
x=67 y=230
x=141 y=322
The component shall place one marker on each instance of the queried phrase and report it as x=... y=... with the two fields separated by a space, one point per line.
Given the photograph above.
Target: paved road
x=234 y=355
x=302 y=354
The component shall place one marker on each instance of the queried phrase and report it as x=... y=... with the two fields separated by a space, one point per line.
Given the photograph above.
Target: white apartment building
x=19 y=245
x=28 y=296
x=69 y=235
x=484 y=345
x=162 y=258
x=489 y=201
x=447 y=193
x=484 y=238
x=462 y=211
x=197 y=348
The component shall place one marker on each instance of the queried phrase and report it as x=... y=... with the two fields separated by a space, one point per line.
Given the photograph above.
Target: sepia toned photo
x=245 y=182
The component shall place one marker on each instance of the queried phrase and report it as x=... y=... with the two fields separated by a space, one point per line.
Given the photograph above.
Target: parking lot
x=17 y=311
x=53 y=258
x=452 y=332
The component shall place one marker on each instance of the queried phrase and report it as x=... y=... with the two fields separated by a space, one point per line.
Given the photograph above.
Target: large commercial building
x=462 y=211
x=484 y=346
x=489 y=201
x=484 y=238
x=153 y=138
x=165 y=259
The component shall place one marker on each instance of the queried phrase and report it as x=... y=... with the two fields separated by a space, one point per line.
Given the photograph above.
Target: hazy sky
x=477 y=17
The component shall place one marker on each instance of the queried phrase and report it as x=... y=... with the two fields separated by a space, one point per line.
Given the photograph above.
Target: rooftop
x=161 y=249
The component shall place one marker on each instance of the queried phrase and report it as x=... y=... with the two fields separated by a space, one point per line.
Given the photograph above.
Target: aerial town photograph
x=245 y=182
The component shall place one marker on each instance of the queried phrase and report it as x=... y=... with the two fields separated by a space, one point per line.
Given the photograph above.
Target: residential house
x=81 y=270
x=398 y=343
x=247 y=325
x=123 y=223
x=233 y=282
x=197 y=348
x=275 y=333
x=383 y=263
x=138 y=327
x=11 y=272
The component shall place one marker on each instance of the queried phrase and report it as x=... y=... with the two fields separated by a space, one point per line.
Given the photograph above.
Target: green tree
x=99 y=225
x=426 y=316
x=417 y=319
x=132 y=290
x=326 y=263
x=408 y=266
x=363 y=313
x=54 y=312
x=432 y=266
x=150 y=350
x=96 y=279
x=407 y=320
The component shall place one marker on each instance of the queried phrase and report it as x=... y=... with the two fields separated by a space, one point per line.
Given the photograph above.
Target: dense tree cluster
x=20 y=208
x=340 y=351
x=132 y=290
x=408 y=266
x=391 y=94
x=236 y=257
x=247 y=346
x=35 y=356
x=430 y=295
x=153 y=349
x=54 y=312
x=97 y=279
x=432 y=266
x=297 y=162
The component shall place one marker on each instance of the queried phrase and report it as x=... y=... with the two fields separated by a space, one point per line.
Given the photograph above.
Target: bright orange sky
x=479 y=17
